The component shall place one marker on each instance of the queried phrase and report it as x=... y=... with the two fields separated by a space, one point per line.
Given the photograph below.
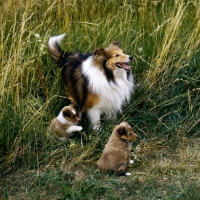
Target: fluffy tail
x=55 y=49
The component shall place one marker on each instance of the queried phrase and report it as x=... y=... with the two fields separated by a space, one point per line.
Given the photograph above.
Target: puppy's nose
x=136 y=136
x=131 y=57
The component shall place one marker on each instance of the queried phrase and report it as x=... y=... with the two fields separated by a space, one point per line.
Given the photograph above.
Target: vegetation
x=163 y=37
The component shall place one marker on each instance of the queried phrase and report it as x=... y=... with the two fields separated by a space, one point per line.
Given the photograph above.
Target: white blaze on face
x=74 y=112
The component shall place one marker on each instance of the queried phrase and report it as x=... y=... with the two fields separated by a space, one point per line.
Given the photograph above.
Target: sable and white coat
x=98 y=83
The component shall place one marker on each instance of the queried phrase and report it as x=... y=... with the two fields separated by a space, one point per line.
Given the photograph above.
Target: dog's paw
x=131 y=162
x=74 y=128
x=96 y=127
x=128 y=174
x=79 y=128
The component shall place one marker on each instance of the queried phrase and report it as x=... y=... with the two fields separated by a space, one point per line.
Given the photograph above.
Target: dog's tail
x=55 y=49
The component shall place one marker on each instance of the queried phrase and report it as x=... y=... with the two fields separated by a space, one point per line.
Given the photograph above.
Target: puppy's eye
x=117 y=55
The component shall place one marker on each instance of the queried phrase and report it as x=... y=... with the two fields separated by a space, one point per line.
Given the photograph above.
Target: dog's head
x=70 y=113
x=125 y=132
x=113 y=57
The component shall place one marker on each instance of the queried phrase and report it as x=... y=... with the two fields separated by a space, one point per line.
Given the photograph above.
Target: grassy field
x=164 y=38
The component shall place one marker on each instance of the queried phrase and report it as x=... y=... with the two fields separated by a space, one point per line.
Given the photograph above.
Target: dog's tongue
x=126 y=66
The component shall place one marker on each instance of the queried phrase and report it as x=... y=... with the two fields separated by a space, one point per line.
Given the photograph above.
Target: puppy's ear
x=121 y=130
x=99 y=52
x=75 y=107
x=116 y=43
x=66 y=113
x=128 y=124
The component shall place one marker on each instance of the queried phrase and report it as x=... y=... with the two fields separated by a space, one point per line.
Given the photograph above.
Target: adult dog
x=98 y=83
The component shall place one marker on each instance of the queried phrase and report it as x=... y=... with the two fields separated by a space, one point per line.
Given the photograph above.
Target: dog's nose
x=131 y=57
x=136 y=136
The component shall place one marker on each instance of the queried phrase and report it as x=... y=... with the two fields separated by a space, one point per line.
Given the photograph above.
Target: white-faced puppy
x=99 y=82
x=65 y=123
x=116 y=153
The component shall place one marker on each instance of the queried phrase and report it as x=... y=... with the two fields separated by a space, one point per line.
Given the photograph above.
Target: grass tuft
x=163 y=37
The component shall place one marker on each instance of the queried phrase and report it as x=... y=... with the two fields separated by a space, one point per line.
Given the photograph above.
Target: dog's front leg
x=129 y=160
x=74 y=128
x=129 y=154
x=94 y=115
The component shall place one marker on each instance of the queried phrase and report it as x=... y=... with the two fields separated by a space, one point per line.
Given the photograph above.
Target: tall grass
x=163 y=37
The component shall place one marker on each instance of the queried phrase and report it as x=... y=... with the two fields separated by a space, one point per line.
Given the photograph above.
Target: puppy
x=116 y=153
x=65 y=123
x=99 y=83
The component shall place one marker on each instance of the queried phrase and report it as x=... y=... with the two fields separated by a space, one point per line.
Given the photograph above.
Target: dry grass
x=163 y=37
x=161 y=171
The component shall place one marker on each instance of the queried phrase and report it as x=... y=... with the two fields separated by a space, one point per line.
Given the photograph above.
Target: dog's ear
x=99 y=52
x=121 y=130
x=116 y=43
x=75 y=107
x=128 y=124
x=66 y=113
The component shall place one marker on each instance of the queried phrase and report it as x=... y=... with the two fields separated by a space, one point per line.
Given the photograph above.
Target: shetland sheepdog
x=65 y=123
x=116 y=153
x=99 y=82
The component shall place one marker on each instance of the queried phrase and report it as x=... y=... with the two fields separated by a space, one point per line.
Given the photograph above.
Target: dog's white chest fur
x=112 y=95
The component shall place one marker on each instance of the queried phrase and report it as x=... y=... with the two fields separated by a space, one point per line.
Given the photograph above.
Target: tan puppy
x=65 y=123
x=116 y=153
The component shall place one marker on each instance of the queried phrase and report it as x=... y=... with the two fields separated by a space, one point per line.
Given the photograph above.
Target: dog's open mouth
x=125 y=66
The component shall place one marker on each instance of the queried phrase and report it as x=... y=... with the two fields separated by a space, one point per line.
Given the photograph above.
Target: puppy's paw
x=131 y=162
x=73 y=129
x=128 y=174
x=79 y=128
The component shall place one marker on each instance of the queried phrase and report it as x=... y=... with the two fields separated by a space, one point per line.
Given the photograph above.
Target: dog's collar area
x=123 y=65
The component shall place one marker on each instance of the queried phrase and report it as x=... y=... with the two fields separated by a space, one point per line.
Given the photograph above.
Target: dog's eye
x=117 y=55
